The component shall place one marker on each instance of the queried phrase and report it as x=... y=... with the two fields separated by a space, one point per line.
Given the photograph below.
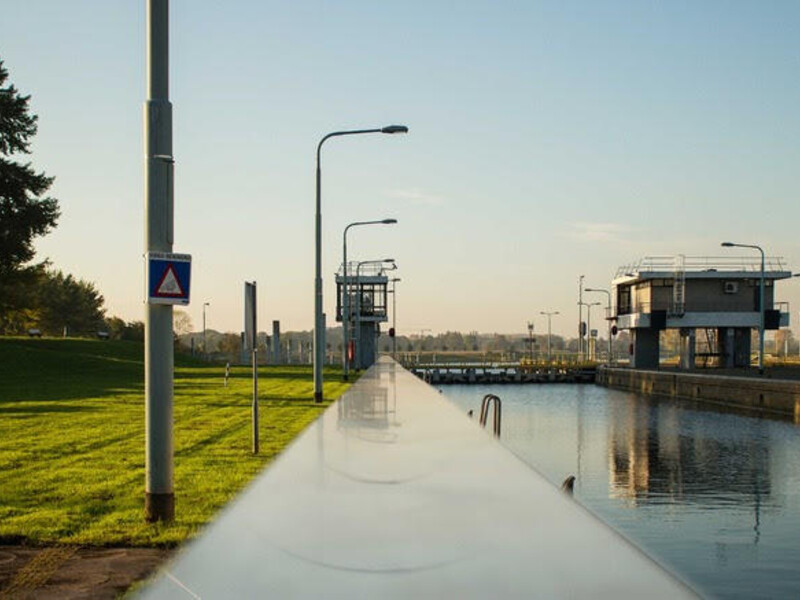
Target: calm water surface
x=713 y=495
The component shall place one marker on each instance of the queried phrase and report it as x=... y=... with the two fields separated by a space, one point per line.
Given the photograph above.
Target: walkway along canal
x=711 y=493
x=394 y=493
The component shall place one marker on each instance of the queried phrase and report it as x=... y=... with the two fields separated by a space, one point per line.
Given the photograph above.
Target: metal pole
x=761 y=323
x=357 y=351
x=549 y=348
x=589 y=331
x=205 y=343
x=159 y=359
x=318 y=284
x=318 y=333
x=608 y=294
x=610 y=345
x=345 y=309
x=394 y=318
x=580 y=317
x=345 y=289
x=253 y=341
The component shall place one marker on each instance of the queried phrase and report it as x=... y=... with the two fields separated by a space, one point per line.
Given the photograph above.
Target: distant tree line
x=50 y=301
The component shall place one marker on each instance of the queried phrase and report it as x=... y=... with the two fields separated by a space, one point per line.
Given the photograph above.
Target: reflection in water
x=654 y=456
x=370 y=415
x=713 y=495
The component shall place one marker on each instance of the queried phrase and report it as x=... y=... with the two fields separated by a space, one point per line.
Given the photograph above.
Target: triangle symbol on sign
x=169 y=284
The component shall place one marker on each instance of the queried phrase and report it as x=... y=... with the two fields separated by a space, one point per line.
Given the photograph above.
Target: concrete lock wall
x=775 y=396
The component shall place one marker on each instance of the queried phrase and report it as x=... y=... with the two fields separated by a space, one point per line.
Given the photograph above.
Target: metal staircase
x=679 y=287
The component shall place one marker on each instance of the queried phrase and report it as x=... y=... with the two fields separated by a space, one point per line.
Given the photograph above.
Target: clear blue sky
x=548 y=140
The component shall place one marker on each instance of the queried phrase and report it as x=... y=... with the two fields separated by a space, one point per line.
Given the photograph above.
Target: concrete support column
x=725 y=347
x=645 y=348
x=741 y=347
x=688 y=337
x=365 y=350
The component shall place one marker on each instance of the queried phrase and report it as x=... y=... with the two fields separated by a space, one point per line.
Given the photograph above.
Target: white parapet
x=395 y=493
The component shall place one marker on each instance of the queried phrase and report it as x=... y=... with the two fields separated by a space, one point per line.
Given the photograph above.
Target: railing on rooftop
x=367 y=270
x=702 y=263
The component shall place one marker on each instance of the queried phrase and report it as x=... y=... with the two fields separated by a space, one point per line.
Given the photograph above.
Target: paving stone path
x=72 y=572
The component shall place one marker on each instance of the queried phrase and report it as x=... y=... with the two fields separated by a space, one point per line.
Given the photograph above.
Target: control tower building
x=718 y=295
x=366 y=286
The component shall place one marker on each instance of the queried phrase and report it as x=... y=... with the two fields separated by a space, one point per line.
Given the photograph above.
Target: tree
x=230 y=344
x=181 y=323
x=64 y=302
x=24 y=213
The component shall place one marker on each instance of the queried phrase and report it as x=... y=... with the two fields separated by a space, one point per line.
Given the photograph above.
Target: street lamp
x=589 y=327
x=530 y=340
x=358 y=302
x=205 y=346
x=318 y=321
x=549 y=316
x=345 y=287
x=607 y=293
x=394 y=281
x=580 y=317
x=760 y=302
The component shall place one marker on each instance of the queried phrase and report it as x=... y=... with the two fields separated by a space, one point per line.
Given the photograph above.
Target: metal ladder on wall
x=679 y=287
x=494 y=400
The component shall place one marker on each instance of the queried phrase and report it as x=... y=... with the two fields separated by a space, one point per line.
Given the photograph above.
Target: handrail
x=489 y=399
x=701 y=263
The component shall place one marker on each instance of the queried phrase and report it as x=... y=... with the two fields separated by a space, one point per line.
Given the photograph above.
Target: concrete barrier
x=774 y=396
x=395 y=493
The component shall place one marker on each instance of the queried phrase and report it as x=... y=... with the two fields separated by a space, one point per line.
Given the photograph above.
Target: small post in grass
x=251 y=339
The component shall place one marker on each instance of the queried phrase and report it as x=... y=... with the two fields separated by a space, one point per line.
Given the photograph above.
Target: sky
x=547 y=140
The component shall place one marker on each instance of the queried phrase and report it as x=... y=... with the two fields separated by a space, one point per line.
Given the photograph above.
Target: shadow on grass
x=51 y=370
x=45 y=408
x=289 y=373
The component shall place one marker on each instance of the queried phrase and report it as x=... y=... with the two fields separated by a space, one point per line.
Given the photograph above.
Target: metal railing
x=667 y=264
x=487 y=400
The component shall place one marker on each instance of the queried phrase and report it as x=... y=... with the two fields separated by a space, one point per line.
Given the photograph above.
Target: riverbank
x=732 y=388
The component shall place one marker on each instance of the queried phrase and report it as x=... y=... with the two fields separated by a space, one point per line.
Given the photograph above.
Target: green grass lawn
x=72 y=439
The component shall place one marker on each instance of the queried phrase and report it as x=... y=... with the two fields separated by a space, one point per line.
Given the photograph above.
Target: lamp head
x=727 y=244
x=394 y=129
x=388 y=260
x=389 y=221
x=396 y=279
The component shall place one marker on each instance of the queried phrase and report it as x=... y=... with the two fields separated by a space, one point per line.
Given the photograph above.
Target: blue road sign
x=168 y=278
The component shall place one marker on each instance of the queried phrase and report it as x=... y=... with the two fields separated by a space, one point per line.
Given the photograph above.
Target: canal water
x=713 y=495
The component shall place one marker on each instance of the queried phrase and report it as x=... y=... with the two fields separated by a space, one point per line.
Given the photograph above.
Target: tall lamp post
x=760 y=302
x=345 y=293
x=549 y=316
x=580 y=317
x=358 y=301
x=607 y=293
x=394 y=281
x=530 y=340
x=205 y=343
x=589 y=306
x=159 y=229
x=319 y=343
